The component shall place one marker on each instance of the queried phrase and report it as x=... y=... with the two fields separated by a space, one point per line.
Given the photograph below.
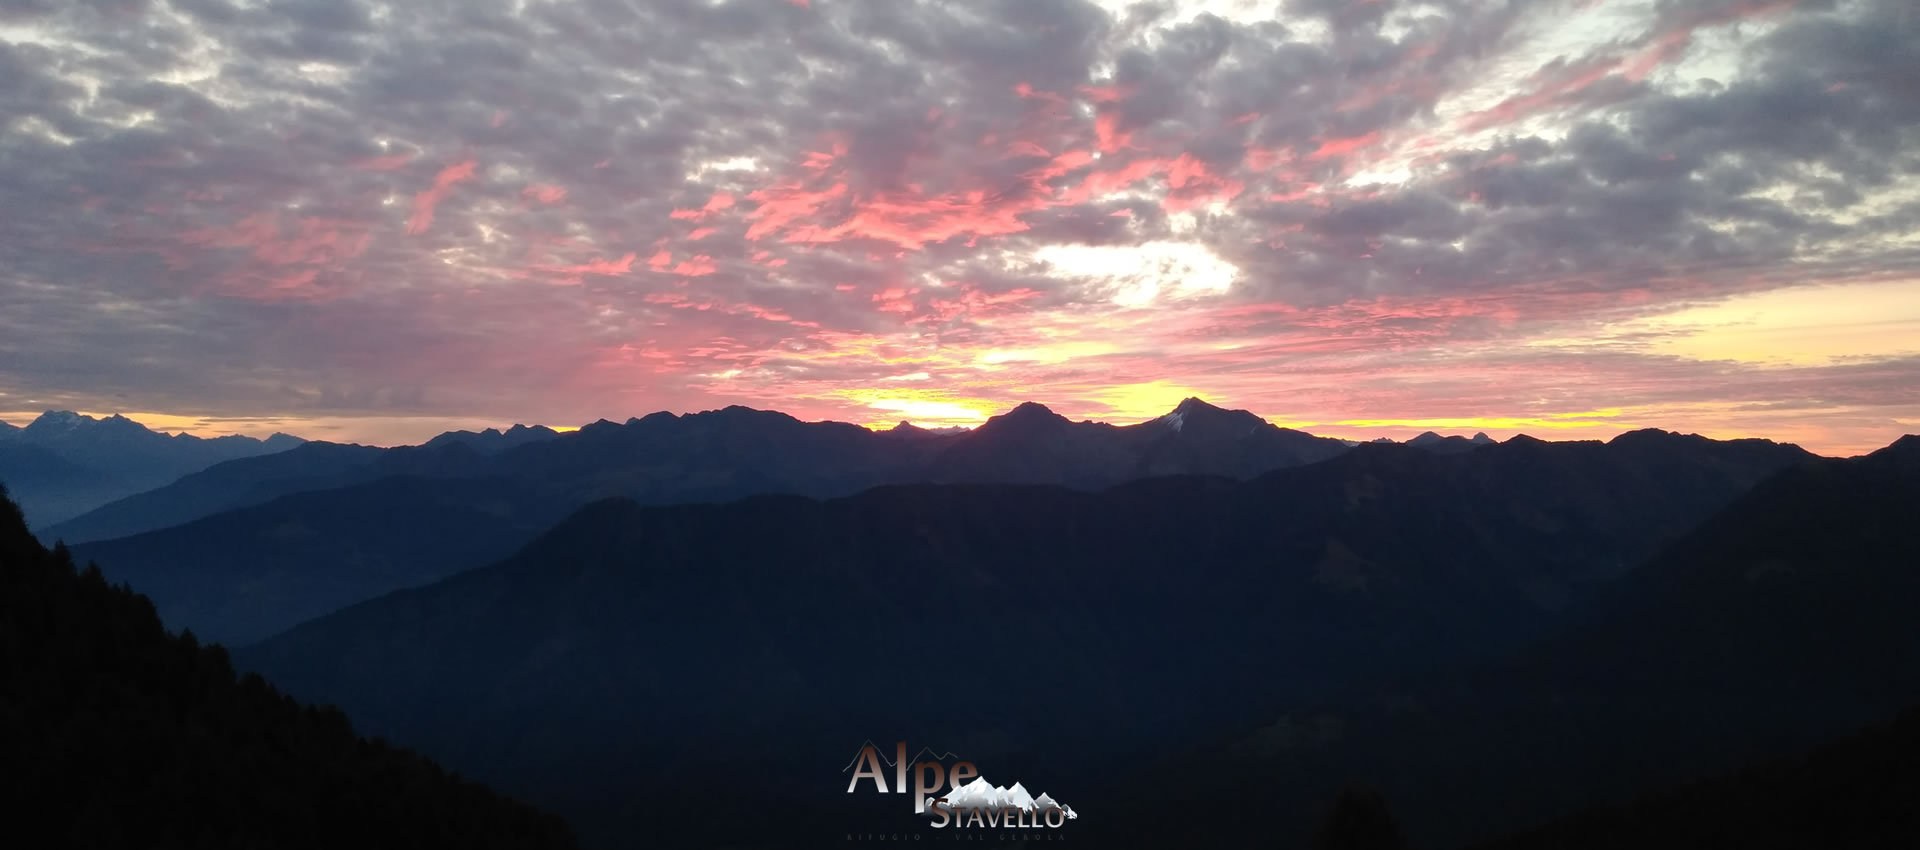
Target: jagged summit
x=492 y=440
x=54 y=422
x=1193 y=404
x=1450 y=444
x=1214 y=420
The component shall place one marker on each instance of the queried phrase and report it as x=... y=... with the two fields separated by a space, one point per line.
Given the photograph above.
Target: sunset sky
x=374 y=222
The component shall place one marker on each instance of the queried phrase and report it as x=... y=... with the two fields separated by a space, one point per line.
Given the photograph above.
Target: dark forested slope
x=116 y=733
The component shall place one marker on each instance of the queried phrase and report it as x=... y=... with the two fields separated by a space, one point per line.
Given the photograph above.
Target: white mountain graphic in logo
x=980 y=794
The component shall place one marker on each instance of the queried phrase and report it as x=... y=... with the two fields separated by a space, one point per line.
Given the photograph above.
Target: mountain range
x=1093 y=626
x=530 y=477
x=718 y=455
x=64 y=464
x=1779 y=623
x=1199 y=612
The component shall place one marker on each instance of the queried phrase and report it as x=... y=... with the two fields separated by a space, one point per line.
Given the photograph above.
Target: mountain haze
x=106 y=459
x=244 y=575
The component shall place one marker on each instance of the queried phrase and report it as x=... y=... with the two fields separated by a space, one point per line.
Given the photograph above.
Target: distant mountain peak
x=492 y=440
x=280 y=442
x=1902 y=453
x=1028 y=412
x=61 y=424
x=57 y=420
x=1032 y=409
x=1025 y=418
x=1218 y=421
x=1649 y=436
x=1193 y=404
x=1450 y=444
x=743 y=413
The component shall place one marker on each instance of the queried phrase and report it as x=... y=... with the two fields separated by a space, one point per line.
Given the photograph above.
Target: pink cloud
x=1330 y=148
x=425 y=202
x=604 y=267
x=545 y=193
x=697 y=266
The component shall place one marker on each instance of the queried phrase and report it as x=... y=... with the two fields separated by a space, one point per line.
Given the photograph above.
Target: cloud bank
x=1358 y=217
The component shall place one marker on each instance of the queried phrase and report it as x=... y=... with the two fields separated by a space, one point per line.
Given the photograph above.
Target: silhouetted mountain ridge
x=109 y=458
x=723 y=455
x=493 y=440
x=234 y=484
x=244 y=575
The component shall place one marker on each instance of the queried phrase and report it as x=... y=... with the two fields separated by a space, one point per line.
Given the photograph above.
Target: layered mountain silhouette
x=101 y=460
x=1781 y=622
x=50 y=485
x=235 y=484
x=735 y=452
x=1094 y=628
x=244 y=575
x=541 y=475
x=120 y=734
